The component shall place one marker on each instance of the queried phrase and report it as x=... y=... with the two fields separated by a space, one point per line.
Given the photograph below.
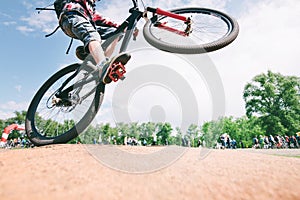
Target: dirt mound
x=76 y=172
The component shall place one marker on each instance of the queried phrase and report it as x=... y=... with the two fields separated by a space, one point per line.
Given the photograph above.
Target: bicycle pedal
x=117 y=72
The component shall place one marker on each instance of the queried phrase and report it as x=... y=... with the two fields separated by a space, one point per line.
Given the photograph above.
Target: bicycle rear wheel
x=212 y=30
x=51 y=120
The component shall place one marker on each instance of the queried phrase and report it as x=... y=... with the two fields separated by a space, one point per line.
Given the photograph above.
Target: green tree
x=89 y=136
x=123 y=131
x=134 y=129
x=178 y=137
x=146 y=131
x=193 y=133
x=165 y=130
x=2 y=126
x=246 y=130
x=212 y=131
x=275 y=100
x=19 y=118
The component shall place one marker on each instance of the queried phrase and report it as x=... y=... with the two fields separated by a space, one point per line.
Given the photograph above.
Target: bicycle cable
x=143 y=4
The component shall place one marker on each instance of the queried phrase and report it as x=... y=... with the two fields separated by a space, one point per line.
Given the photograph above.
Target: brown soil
x=72 y=172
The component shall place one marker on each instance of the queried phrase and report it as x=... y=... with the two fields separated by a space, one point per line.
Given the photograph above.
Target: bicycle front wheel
x=211 y=30
x=51 y=119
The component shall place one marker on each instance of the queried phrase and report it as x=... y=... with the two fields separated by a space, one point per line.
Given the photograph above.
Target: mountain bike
x=69 y=100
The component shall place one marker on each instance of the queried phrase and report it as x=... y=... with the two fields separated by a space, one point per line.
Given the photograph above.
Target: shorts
x=78 y=27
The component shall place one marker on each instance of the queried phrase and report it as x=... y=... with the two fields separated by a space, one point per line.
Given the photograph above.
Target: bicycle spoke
x=210 y=30
x=206 y=28
x=54 y=118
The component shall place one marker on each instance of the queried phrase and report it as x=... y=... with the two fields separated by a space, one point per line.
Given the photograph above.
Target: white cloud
x=268 y=40
x=28 y=5
x=12 y=105
x=7 y=109
x=25 y=29
x=5 y=115
x=5 y=15
x=9 y=23
x=169 y=4
x=45 y=21
x=118 y=10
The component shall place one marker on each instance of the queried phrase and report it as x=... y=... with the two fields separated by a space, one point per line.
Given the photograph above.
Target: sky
x=268 y=40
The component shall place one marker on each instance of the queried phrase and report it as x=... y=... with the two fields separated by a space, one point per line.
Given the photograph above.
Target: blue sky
x=268 y=40
x=27 y=56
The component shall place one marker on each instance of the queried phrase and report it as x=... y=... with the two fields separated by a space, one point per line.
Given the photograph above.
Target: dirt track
x=71 y=172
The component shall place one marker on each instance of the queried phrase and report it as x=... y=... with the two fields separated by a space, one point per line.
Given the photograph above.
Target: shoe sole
x=80 y=53
x=123 y=58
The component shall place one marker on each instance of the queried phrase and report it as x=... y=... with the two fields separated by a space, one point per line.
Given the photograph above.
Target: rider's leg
x=96 y=51
x=82 y=54
x=78 y=27
x=102 y=61
x=122 y=58
x=110 y=49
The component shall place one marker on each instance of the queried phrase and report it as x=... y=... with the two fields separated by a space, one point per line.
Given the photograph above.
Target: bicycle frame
x=129 y=25
x=136 y=15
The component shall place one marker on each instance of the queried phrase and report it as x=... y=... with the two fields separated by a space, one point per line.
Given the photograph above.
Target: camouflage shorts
x=78 y=27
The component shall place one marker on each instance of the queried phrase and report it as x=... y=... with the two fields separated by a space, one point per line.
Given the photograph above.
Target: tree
x=275 y=100
x=178 y=137
x=246 y=130
x=212 y=131
x=165 y=130
x=89 y=136
x=192 y=134
x=2 y=126
x=134 y=129
x=19 y=118
x=123 y=131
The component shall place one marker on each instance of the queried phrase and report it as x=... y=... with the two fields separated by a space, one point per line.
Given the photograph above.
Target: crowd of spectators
x=272 y=142
x=17 y=143
x=261 y=142
x=227 y=142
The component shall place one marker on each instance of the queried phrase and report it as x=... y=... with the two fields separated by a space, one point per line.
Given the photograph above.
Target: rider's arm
x=102 y=21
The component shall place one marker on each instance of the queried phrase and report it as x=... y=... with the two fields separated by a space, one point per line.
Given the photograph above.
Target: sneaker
x=122 y=58
x=81 y=53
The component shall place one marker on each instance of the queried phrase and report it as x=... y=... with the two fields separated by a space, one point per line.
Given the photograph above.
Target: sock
x=102 y=63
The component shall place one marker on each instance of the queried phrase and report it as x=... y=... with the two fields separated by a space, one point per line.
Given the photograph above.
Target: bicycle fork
x=187 y=21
